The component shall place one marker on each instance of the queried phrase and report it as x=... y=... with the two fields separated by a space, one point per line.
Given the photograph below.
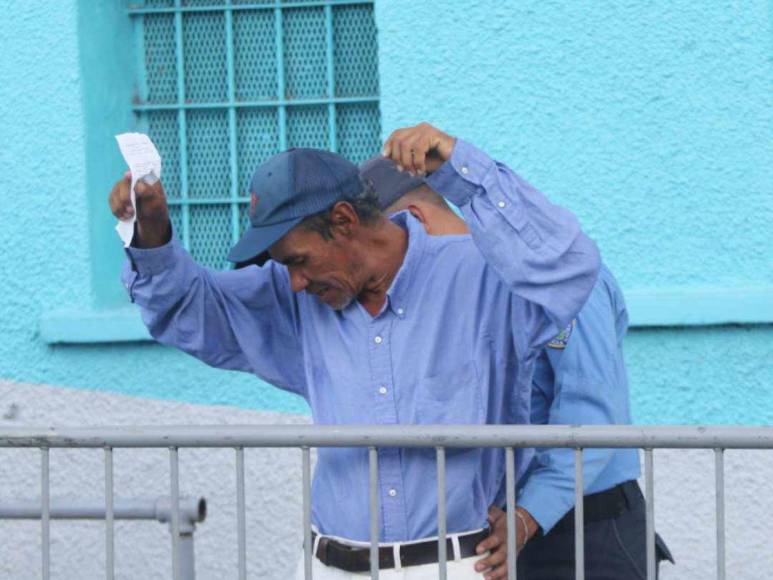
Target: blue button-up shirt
x=580 y=378
x=455 y=342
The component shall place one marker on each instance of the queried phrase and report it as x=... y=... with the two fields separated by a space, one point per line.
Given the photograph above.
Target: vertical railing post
x=109 y=516
x=174 y=467
x=579 y=517
x=441 y=512
x=649 y=477
x=241 y=516
x=45 y=520
x=511 y=529
x=307 y=555
x=720 y=492
x=374 y=509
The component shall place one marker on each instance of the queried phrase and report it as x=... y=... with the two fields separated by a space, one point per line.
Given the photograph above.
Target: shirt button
x=382 y=390
x=465 y=170
x=378 y=340
x=501 y=204
x=400 y=311
x=392 y=492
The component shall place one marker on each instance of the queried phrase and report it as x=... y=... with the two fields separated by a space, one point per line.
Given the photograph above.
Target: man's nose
x=298 y=281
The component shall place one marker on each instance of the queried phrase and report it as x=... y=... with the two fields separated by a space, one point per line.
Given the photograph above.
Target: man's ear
x=419 y=214
x=343 y=218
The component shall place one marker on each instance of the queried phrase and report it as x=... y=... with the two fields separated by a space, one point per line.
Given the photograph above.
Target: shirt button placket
x=384 y=413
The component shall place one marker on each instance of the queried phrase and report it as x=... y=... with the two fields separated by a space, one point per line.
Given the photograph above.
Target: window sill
x=93 y=326
x=655 y=308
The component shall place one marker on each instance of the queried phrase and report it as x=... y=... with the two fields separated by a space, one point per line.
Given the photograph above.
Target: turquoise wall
x=651 y=121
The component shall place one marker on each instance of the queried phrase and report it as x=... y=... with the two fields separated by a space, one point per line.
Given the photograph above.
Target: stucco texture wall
x=45 y=262
x=651 y=121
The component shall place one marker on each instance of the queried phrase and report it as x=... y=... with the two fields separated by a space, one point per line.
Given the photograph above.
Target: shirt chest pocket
x=450 y=397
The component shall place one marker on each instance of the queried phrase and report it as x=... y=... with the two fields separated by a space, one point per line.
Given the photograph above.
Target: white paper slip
x=145 y=164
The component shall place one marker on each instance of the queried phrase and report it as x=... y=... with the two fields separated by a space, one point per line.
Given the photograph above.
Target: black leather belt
x=357 y=559
x=603 y=505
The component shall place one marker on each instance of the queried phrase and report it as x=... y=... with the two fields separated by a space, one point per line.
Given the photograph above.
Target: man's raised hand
x=152 y=226
x=420 y=149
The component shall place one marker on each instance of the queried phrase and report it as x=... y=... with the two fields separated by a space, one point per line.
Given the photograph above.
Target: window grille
x=223 y=85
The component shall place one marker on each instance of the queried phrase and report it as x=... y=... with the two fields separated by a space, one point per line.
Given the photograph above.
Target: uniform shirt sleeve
x=584 y=382
x=244 y=320
x=535 y=247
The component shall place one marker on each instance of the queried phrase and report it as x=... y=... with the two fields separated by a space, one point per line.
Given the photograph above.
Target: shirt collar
x=398 y=295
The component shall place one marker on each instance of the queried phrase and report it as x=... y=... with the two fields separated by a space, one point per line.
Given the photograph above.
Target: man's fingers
x=494 y=559
x=406 y=155
x=419 y=155
x=488 y=544
x=497 y=573
x=495 y=514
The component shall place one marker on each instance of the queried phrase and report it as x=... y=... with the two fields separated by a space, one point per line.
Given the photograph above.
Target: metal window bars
x=439 y=437
x=223 y=85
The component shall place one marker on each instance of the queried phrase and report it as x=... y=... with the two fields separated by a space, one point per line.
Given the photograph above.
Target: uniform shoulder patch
x=561 y=340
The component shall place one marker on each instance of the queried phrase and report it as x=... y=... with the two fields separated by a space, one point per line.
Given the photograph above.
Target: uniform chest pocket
x=450 y=397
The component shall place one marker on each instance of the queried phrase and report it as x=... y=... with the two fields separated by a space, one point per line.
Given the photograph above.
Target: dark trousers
x=615 y=547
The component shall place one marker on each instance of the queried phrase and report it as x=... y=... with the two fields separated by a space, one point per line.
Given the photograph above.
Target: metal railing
x=192 y=511
x=439 y=437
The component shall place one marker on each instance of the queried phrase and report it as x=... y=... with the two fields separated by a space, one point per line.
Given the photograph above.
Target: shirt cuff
x=150 y=261
x=543 y=505
x=461 y=177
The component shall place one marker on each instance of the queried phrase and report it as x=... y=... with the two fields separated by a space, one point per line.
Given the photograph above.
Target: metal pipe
x=511 y=530
x=649 y=477
x=187 y=557
x=442 y=554
x=45 y=507
x=192 y=510
x=613 y=436
x=579 y=517
x=109 y=516
x=174 y=466
x=307 y=555
x=719 y=458
x=374 y=509
x=241 y=516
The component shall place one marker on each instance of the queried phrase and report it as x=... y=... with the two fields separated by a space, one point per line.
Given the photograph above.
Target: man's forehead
x=294 y=241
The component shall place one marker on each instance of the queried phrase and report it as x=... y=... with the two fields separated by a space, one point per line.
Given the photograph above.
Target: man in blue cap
x=580 y=378
x=373 y=321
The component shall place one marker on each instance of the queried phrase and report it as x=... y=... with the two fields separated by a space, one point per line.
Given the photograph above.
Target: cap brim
x=257 y=240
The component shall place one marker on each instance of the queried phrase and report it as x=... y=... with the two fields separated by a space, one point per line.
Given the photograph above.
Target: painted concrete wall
x=650 y=120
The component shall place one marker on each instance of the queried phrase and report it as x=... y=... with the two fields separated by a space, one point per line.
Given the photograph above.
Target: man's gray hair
x=365 y=205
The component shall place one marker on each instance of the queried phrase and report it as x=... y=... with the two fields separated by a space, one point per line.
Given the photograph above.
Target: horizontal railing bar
x=192 y=510
x=614 y=436
x=150 y=107
x=138 y=10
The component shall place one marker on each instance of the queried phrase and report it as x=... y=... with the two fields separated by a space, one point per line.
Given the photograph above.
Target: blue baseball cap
x=389 y=183
x=290 y=186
